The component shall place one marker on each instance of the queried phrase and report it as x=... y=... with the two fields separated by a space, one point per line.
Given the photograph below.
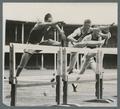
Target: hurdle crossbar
x=19 y=48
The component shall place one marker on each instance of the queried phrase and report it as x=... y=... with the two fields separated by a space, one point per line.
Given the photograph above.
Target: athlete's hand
x=101 y=42
x=112 y=24
x=63 y=37
x=59 y=23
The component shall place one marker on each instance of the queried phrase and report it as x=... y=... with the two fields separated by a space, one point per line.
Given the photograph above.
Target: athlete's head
x=87 y=23
x=48 y=18
x=105 y=30
x=96 y=31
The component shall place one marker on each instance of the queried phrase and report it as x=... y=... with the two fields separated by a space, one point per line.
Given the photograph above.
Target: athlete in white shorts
x=80 y=32
x=89 y=58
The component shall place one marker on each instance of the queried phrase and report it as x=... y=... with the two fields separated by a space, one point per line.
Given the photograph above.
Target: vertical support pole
x=55 y=64
x=64 y=70
x=12 y=78
x=58 y=79
x=55 y=38
x=78 y=64
x=22 y=33
x=4 y=44
x=97 y=86
x=16 y=34
x=42 y=61
x=65 y=77
x=81 y=59
x=99 y=75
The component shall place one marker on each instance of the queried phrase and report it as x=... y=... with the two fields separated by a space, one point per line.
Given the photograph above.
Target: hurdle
x=16 y=48
x=99 y=80
x=99 y=77
x=61 y=67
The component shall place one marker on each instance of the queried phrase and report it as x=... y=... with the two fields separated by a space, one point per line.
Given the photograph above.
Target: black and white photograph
x=60 y=54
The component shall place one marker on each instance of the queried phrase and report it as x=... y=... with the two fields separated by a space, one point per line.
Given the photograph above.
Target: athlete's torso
x=83 y=32
x=93 y=37
x=39 y=33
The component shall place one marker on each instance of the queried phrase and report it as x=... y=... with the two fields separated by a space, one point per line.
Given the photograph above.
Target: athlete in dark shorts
x=41 y=34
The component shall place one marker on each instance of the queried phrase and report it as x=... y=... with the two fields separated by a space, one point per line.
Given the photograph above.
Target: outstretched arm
x=106 y=27
x=94 y=43
x=61 y=32
x=89 y=42
x=106 y=37
x=71 y=37
x=42 y=24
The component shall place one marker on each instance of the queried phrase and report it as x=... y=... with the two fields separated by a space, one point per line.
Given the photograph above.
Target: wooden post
x=55 y=38
x=42 y=61
x=22 y=33
x=99 y=75
x=97 y=86
x=65 y=77
x=55 y=64
x=78 y=64
x=12 y=78
x=16 y=34
x=64 y=70
x=58 y=79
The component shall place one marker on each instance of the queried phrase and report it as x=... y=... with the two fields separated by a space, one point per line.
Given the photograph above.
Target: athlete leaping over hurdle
x=93 y=40
x=41 y=34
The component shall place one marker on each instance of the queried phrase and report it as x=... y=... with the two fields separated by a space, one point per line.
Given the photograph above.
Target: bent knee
x=87 y=57
x=20 y=67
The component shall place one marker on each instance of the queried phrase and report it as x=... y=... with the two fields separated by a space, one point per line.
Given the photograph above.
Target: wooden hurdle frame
x=12 y=76
x=99 y=78
x=61 y=68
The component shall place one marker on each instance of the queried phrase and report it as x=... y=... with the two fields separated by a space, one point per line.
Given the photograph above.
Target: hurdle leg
x=58 y=78
x=12 y=77
x=58 y=89
x=55 y=38
x=78 y=64
x=97 y=84
x=101 y=88
x=99 y=75
x=65 y=89
x=13 y=95
x=99 y=80
x=65 y=77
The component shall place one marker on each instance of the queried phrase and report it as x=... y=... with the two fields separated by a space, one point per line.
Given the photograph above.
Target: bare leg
x=72 y=61
x=71 y=66
x=25 y=58
x=84 y=65
x=93 y=65
x=86 y=62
